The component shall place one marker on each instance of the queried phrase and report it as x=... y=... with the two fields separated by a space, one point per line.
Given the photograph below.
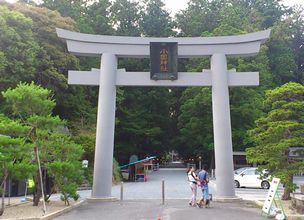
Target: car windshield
x=238 y=171
x=250 y=172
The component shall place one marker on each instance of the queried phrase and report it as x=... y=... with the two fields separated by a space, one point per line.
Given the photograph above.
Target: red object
x=149 y=162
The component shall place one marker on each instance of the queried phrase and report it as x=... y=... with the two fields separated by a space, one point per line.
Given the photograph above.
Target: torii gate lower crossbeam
x=219 y=78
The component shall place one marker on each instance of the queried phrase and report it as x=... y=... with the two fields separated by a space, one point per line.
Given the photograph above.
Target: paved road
x=152 y=210
x=253 y=193
x=260 y=194
x=142 y=201
x=176 y=187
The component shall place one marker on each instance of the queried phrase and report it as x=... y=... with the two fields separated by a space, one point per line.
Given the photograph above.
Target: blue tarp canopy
x=139 y=161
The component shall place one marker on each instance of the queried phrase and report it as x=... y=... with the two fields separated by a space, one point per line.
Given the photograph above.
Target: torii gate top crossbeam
x=139 y=47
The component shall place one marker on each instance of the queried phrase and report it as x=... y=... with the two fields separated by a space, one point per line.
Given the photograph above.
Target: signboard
x=163 y=58
x=85 y=164
x=271 y=194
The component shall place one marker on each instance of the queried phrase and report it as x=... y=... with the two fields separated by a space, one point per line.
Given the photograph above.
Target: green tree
x=63 y=164
x=52 y=59
x=199 y=16
x=297 y=45
x=73 y=9
x=142 y=120
x=250 y=15
x=33 y=105
x=91 y=16
x=77 y=104
x=15 y=156
x=276 y=133
x=77 y=10
x=271 y=10
x=87 y=141
x=126 y=16
x=99 y=18
x=233 y=18
x=19 y=50
x=195 y=123
x=281 y=52
x=156 y=21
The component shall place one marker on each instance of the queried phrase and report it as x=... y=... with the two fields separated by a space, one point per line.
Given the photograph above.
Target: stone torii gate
x=110 y=48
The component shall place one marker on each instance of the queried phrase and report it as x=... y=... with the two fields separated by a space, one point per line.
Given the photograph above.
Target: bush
x=69 y=191
x=116 y=172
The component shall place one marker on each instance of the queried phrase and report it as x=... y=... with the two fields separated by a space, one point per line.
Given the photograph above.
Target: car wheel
x=265 y=185
x=236 y=184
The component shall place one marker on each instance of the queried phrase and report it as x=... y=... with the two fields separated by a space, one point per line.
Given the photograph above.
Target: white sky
x=175 y=5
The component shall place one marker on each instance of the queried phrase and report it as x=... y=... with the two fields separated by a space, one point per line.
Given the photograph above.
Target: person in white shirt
x=192 y=179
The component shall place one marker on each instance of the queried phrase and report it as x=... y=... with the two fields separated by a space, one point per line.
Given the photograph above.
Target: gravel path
x=27 y=210
x=176 y=186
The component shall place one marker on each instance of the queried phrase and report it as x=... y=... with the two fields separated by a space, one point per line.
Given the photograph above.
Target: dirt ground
x=287 y=208
x=27 y=210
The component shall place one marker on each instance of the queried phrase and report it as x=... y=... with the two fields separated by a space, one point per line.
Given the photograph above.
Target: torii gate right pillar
x=222 y=128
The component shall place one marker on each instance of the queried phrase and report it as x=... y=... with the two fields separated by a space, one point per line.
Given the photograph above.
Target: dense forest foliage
x=149 y=121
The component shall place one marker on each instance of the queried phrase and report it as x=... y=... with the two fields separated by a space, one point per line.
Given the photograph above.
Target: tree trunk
x=211 y=163
x=37 y=194
x=287 y=189
x=44 y=186
x=286 y=195
x=3 y=193
x=82 y=121
x=50 y=194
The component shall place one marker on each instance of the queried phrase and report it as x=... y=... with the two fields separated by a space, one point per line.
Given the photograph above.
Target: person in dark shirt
x=204 y=180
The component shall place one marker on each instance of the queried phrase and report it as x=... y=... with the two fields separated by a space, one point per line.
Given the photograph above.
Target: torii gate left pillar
x=108 y=77
x=103 y=163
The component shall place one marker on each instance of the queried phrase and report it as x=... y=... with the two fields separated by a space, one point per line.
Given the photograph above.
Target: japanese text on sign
x=163 y=57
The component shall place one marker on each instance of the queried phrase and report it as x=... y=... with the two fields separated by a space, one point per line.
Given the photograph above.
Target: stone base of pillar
x=105 y=199
x=227 y=199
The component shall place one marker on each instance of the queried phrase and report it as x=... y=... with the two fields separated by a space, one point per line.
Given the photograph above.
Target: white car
x=250 y=177
x=239 y=170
